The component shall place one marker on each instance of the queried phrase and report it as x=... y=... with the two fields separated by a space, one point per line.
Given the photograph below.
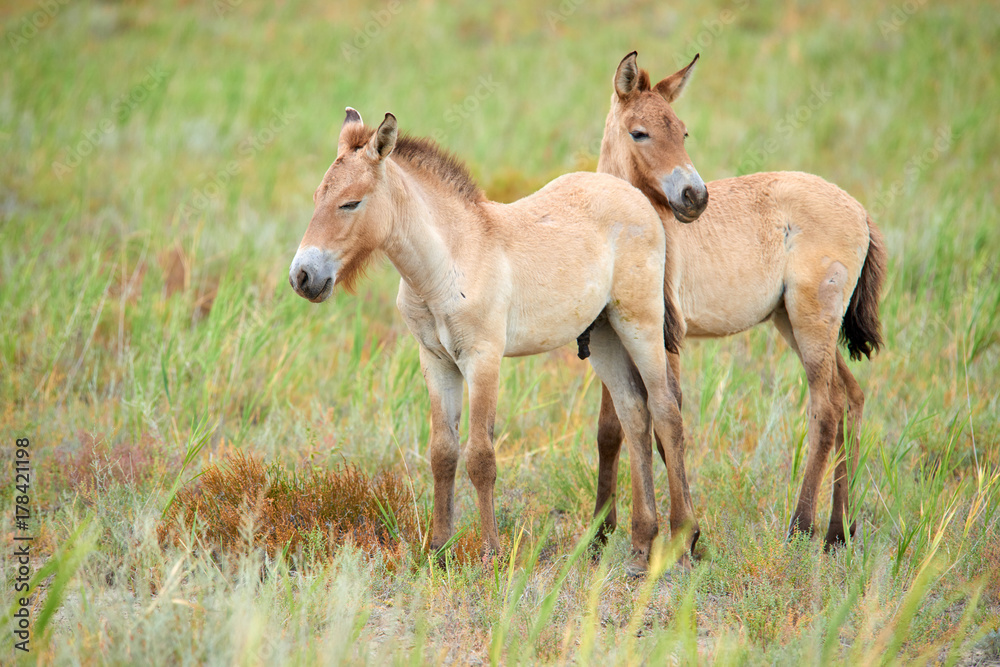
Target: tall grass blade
x=198 y=438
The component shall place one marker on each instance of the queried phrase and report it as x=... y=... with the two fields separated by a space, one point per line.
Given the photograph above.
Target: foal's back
x=584 y=198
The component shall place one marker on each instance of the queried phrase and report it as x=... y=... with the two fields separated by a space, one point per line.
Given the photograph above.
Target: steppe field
x=201 y=467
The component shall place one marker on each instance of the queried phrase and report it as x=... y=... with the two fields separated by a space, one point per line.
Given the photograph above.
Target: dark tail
x=672 y=336
x=861 y=330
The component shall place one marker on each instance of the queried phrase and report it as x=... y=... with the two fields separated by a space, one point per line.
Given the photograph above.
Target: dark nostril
x=302 y=278
x=689 y=197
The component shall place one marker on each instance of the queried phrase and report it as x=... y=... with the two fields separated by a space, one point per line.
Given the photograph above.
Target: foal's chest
x=433 y=331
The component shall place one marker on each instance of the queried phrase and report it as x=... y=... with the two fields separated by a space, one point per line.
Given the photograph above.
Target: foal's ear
x=627 y=76
x=672 y=87
x=352 y=117
x=351 y=122
x=384 y=139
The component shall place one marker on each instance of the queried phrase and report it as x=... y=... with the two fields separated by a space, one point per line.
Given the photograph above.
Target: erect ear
x=627 y=76
x=672 y=87
x=384 y=139
x=352 y=116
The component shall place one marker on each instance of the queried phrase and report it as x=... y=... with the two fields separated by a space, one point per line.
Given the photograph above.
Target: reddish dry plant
x=991 y=563
x=239 y=504
x=97 y=464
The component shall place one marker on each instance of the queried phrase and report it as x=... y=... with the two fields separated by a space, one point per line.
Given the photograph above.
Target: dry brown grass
x=239 y=504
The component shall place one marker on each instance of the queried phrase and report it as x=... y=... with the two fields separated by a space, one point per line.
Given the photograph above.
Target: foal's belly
x=553 y=316
x=722 y=309
x=535 y=331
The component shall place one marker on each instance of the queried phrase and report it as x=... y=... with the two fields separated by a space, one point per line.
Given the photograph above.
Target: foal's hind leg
x=645 y=346
x=673 y=378
x=612 y=364
x=609 y=444
x=826 y=411
x=811 y=321
x=847 y=453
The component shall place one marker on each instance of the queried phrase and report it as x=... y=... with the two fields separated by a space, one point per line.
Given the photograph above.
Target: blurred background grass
x=159 y=165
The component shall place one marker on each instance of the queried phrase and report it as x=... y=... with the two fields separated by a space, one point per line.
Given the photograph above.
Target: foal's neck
x=614 y=158
x=425 y=227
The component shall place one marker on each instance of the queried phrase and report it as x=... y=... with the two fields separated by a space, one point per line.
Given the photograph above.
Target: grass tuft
x=239 y=505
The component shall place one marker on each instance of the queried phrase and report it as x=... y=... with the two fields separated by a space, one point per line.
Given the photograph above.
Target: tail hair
x=672 y=332
x=861 y=329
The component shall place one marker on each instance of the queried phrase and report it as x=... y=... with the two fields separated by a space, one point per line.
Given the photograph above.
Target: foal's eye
x=639 y=135
x=350 y=206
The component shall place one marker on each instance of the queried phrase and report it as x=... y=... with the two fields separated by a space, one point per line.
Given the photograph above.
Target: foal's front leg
x=482 y=371
x=444 y=385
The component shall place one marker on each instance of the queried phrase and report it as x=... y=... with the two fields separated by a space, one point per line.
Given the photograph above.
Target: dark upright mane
x=425 y=156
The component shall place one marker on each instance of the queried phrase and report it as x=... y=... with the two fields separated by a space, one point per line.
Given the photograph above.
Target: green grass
x=158 y=167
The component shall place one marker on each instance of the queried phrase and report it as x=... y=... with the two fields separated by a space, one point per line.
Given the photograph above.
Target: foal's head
x=646 y=138
x=353 y=211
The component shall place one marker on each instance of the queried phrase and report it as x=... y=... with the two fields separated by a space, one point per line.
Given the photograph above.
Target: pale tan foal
x=483 y=280
x=787 y=247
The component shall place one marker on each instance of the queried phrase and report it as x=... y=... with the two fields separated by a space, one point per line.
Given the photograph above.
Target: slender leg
x=481 y=369
x=646 y=350
x=826 y=408
x=613 y=366
x=848 y=450
x=673 y=376
x=444 y=384
x=814 y=312
x=609 y=444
